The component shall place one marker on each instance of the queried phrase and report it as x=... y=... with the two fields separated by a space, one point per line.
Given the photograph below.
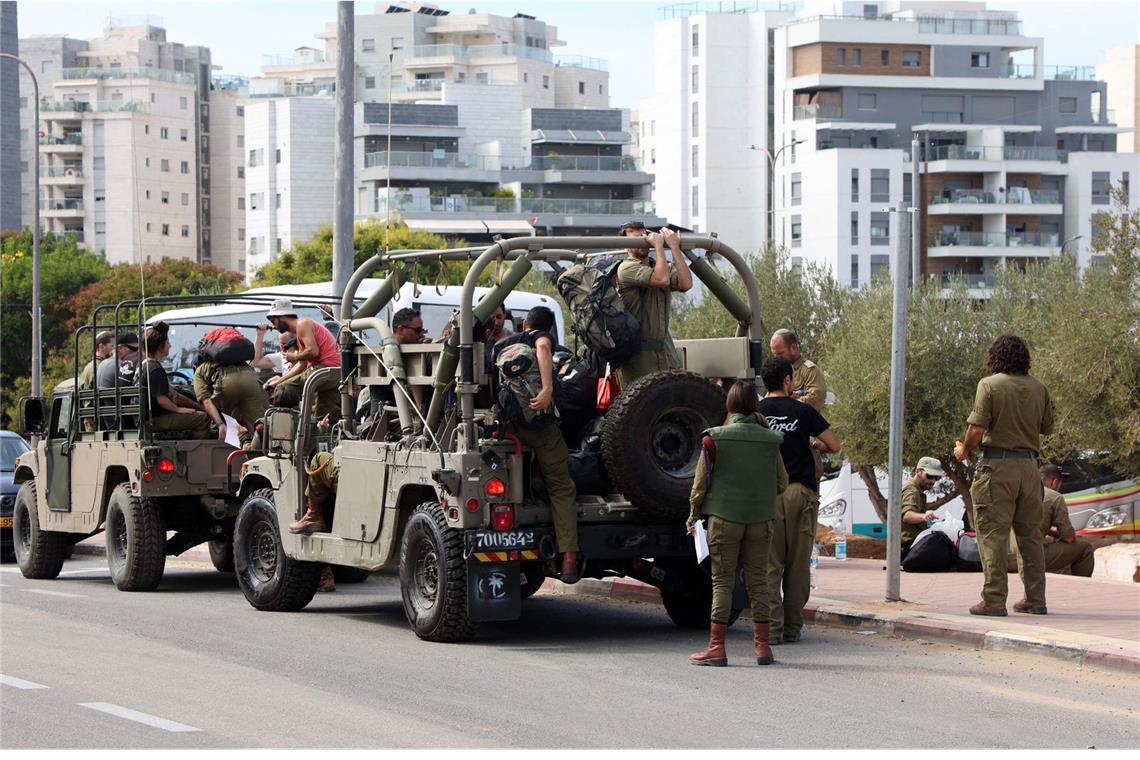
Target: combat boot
x=714 y=655
x=313 y=521
x=760 y=641
x=1030 y=609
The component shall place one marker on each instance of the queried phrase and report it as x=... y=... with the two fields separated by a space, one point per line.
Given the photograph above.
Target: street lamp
x=37 y=347
x=1073 y=239
x=772 y=180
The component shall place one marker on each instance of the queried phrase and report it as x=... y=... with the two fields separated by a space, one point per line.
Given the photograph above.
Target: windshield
x=10 y=448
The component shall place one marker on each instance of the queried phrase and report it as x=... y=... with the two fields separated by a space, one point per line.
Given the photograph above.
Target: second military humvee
x=459 y=508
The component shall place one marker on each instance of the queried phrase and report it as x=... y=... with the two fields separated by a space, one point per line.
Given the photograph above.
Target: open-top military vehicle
x=460 y=508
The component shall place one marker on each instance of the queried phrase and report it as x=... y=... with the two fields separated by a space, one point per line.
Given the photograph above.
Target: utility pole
x=37 y=330
x=897 y=405
x=916 y=201
x=343 y=164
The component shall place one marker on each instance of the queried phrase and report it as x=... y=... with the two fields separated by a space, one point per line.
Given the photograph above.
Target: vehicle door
x=58 y=444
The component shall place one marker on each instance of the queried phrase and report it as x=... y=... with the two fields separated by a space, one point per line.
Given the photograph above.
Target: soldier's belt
x=992 y=453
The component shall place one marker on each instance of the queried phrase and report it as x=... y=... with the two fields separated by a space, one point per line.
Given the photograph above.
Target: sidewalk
x=1090 y=621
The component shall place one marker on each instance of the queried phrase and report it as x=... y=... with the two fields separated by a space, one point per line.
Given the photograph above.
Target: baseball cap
x=931 y=466
x=129 y=339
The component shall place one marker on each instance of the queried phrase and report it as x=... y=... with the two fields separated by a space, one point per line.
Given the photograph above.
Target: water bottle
x=814 y=564
x=840 y=542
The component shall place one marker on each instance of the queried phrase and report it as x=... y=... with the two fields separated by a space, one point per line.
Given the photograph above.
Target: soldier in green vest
x=740 y=503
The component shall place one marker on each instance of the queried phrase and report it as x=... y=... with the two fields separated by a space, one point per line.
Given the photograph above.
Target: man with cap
x=104 y=345
x=915 y=515
x=1064 y=552
x=646 y=285
x=111 y=373
x=316 y=349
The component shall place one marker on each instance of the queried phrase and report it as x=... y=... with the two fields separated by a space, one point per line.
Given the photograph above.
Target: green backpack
x=520 y=380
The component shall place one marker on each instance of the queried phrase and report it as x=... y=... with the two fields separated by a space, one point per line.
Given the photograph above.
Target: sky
x=240 y=34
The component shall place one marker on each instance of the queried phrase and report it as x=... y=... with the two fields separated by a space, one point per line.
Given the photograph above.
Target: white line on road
x=51 y=593
x=19 y=683
x=87 y=570
x=139 y=717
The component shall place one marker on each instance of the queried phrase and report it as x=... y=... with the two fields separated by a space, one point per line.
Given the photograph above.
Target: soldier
x=169 y=410
x=789 y=562
x=807 y=377
x=110 y=373
x=321 y=484
x=1012 y=410
x=645 y=285
x=104 y=345
x=234 y=390
x=915 y=515
x=316 y=349
x=1064 y=552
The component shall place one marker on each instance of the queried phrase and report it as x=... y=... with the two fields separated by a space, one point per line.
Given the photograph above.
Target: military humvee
x=460 y=510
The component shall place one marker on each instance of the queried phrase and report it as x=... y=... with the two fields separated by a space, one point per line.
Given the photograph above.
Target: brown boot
x=313 y=521
x=760 y=640
x=1030 y=609
x=569 y=573
x=981 y=609
x=714 y=655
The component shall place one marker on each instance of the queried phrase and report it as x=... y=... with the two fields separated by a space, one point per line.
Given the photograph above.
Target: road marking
x=19 y=683
x=139 y=717
x=87 y=570
x=51 y=593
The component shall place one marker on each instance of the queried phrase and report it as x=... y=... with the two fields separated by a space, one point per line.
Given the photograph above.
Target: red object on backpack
x=223 y=335
x=607 y=391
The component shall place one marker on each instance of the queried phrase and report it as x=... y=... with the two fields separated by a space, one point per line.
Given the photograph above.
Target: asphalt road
x=194 y=666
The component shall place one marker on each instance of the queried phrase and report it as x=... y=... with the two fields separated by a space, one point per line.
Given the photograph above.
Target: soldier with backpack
x=646 y=285
x=224 y=382
x=526 y=407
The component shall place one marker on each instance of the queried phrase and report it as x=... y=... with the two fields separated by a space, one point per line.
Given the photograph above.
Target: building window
x=868 y=101
x=696 y=39
x=254 y=157
x=855 y=271
x=148 y=226
x=163 y=133
x=652 y=127
x=526 y=77
x=856 y=56
x=696 y=199
x=184 y=167
x=241 y=141
x=253 y=201
x=884 y=58
x=1067 y=105
x=241 y=172
x=855 y=185
x=880 y=266
x=163 y=166
x=1100 y=188
x=696 y=119
x=241 y=203
x=240 y=111
x=185 y=199
x=696 y=161
x=979 y=60
x=182 y=103
x=696 y=80
x=23 y=167
x=653 y=155
x=880 y=185
x=184 y=135
x=797 y=188
x=397 y=43
x=1124 y=184
x=880 y=231
x=545 y=82
x=277 y=201
x=840 y=56
x=185 y=230
x=146 y=129
x=166 y=230
x=581 y=88
x=367 y=45
x=277 y=246
x=241 y=233
x=908 y=187
x=153 y=97
x=855 y=235
x=797 y=231
x=370 y=83
x=148 y=195
x=481 y=77
x=146 y=162
x=23 y=102
x=601 y=90
x=911 y=59
x=165 y=197
x=277 y=155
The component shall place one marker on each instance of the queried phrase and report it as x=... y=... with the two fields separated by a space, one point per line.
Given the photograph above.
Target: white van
x=843 y=498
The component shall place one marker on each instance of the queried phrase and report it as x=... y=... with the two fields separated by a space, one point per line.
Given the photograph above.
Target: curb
x=1098 y=655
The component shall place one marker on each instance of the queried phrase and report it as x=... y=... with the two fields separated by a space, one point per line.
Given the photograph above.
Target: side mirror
x=33 y=415
x=280 y=431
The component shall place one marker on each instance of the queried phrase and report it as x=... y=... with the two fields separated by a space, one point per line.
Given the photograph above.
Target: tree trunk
x=878 y=501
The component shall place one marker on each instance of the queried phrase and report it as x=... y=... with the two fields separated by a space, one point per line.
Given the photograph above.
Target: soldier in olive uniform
x=233 y=390
x=1012 y=410
x=915 y=515
x=322 y=482
x=104 y=345
x=741 y=504
x=645 y=285
x=807 y=377
x=1064 y=552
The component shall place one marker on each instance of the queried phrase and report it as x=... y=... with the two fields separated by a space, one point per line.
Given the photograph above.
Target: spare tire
x=651 y=440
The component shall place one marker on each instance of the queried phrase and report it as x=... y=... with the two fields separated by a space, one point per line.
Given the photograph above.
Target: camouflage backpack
x=519 y=382
x=598 y=315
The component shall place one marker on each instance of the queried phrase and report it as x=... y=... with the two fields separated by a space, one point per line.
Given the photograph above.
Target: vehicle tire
x=533 y=580
x=688 y=600
x=651 y=440
x=344 y=574
x=222 y=554
x=269 y=579
x=39 y=553
x=136 y=541
x=433 y=577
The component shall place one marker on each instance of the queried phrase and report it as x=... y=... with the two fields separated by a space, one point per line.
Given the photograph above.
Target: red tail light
x=472 y=505
x=166 y=466
x=148 y=475
x=502 y=517
x=495 y=487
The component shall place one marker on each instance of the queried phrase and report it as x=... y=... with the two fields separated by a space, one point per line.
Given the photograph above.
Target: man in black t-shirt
x=793 y=535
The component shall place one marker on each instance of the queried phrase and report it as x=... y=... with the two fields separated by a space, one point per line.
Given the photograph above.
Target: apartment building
x=1120 y=70
x=123 y=141
x=10 y=178
x=225 y=208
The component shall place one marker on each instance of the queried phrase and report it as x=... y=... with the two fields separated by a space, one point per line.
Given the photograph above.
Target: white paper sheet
x=231 y=431
x=701 y=539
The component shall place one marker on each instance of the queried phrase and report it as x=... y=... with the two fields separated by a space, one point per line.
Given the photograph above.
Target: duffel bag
x=225 y=345
x=588 y=472
x=969 y=559
x=932 y=552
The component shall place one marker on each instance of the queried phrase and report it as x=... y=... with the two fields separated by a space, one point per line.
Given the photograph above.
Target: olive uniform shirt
x=1015 y=410
x=810 y=385
x=913 y=500
x=1055 y=515
x=87 y=376
x=650 y=305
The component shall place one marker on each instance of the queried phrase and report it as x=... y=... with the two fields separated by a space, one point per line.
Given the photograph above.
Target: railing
x=817 y=111
x=467 y=204
x=1015 y=195
x=77 y=234
x=582 y=62
x=931 y=24
x=993 y=153
x=61 y=171
x=75 y=138
x=499 y=163
x=142 y=72
x=1059 y=73
x=684 y=10
x=469 y=52
x=1002 y=239
x=970 y=280
x=83 y=106
x=67 y=204
x=585 y=163
x=418 y=85
x=1108 y=118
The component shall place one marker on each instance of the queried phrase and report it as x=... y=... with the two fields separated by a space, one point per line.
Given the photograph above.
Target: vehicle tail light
x=494 y=487
x=148 y=475
x=165 y=466
x=472 y=505
x=502 y=517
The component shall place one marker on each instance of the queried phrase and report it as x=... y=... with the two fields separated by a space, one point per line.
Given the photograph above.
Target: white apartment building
x=288 y=149
x=1121 y=71
x=225 y=209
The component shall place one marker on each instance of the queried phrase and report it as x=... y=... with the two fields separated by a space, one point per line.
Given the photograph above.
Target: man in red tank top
x=316 y=348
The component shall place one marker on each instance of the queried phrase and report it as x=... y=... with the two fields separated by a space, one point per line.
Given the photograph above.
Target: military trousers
x=240 y=395
x=327 y=395
x=1075 y=558
x=729 y=544
x=197 y=423
x=789 y=559
x=323 y=476
x=554 y=460
x=1007 y=493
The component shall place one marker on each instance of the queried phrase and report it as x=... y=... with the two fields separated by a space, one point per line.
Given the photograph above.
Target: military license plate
x=5 y=522
x=488 y=540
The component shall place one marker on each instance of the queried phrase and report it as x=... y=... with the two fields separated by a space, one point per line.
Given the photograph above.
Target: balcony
x=1015 y=200
x=817 y=111
x=434 y=55
x=994 y=244
x=520 y=206
x=1055 y=73
x=142 y=72
x=993 y=153
x=72 y=143
x=581 y=62
x=60 y=207
x=61 y=175
x=442 y=160
x=99 y=106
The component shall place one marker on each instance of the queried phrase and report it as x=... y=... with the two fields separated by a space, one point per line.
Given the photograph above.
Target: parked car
x=11 y=446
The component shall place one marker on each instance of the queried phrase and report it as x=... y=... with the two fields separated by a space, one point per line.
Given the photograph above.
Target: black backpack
x=519 y=381
x=598 y=315
x=934 y=553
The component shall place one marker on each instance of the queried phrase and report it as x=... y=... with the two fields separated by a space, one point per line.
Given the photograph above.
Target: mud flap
x=493 y=590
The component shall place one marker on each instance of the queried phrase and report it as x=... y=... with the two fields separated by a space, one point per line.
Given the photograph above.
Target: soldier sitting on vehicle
x=232 y=389
x=170 y=411
x=316 y=349
x=104 y=345
x=111 y=373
